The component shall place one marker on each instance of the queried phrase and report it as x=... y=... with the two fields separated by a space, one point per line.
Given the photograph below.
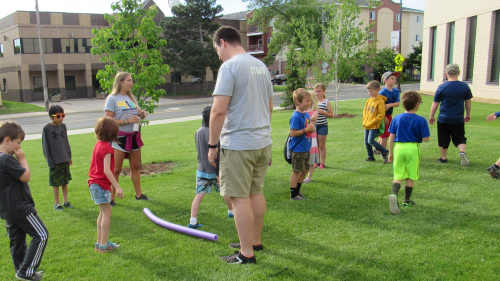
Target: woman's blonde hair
x=322 y=87
x=314 y=102
x=117 y=87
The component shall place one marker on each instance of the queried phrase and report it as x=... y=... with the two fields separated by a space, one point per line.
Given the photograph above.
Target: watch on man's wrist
x=211 y=146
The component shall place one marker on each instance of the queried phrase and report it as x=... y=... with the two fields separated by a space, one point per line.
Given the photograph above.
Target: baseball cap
x=452 y=69
x=387 y=74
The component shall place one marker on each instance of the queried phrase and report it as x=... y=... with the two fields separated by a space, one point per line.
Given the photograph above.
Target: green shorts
x=301 y=161
x=59 y=175
x=406 y=160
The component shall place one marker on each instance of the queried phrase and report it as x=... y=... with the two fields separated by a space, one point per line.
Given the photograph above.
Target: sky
x=104 y=6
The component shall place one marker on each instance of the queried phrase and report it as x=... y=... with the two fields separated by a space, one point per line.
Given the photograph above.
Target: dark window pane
x=433 y=52
x=95 y=82
x=70 y=82
x=38 y=84
x=451 y=42
x=17 y=46
x=472 y=48
x=56 y=42
x=495 y=63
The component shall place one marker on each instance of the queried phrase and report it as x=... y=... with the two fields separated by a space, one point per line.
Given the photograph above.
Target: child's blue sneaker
x=230 y=216
x=195 y=225
x=110 y=246
x=97 y=246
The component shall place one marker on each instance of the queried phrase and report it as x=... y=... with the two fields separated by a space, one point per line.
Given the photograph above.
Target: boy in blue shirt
x=407 y=131
x=301 y=127
x=392 y=95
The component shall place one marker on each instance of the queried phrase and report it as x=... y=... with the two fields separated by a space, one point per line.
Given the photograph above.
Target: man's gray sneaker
x=393 y=204
x=464 y=159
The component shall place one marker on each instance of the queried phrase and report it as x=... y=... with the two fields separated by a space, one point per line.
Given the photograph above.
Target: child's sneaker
x=376 y=152
x=385 y=156
x=36 y=276
x=108 y=247
x=306 y=180
x=58 y=207
x=112 y=203
x=464 y=159
x=67 y=204
x=408 y=204
x=298 y=198
x=97 y=246
x=142 y=197
x=196 y=225
x=316 y=165
x=301 y=195
x=238 y=258
x=230 y=216
x=393 y=204
x=442 y=161
x=370 y=160
x=493 y=171
x=321 y=166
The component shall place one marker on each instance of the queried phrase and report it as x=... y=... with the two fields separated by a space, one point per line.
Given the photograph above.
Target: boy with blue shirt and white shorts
x=407 y=131
x=301 y=127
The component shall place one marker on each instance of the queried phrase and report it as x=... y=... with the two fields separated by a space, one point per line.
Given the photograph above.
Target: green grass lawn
x=9 y=107
x=279 y=88
x=343 y=231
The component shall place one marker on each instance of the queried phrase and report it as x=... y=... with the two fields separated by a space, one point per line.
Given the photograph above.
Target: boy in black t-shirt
x=17 y=207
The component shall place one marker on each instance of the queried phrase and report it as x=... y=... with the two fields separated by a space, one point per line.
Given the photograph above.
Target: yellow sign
x=399 y=59
x=399 y=68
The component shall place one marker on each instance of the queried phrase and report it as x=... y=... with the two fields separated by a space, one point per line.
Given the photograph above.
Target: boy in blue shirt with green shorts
x=407 y=130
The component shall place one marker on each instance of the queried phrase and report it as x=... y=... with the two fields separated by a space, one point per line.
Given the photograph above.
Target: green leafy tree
x=347 y=48
x=189 y=33
x=132 y=44
x=383 y=62
x=414 y=59
x=288 y=17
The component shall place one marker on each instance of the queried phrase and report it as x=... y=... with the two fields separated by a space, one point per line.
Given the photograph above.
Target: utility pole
x=400 y=35
x=44 y=75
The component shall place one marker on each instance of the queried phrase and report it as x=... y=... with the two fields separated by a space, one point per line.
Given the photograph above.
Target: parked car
x=279 y=79
x=195 y=79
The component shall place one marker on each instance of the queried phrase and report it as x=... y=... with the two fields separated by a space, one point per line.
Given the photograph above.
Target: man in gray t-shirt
x=241 y=117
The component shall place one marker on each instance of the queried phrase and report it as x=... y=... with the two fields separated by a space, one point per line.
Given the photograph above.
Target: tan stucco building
x=466 y=33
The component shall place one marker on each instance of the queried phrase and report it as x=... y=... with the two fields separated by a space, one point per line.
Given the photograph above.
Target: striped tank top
x=322 y=118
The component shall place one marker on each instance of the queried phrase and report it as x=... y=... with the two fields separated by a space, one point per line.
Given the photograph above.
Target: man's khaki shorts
x=242 y=172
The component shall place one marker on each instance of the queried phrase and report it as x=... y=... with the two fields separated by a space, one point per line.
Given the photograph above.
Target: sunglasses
x=58 y=115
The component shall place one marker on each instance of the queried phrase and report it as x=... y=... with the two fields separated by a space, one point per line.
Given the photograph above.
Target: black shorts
x=455 y=132
x=122 y=144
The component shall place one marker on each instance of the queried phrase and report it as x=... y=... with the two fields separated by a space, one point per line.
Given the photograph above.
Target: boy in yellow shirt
x=373 y=114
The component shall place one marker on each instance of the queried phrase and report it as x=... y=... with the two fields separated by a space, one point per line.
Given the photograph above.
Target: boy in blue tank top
x=407 y=131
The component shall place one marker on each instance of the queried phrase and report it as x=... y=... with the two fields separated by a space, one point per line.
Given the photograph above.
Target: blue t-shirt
x=392 y=97
x=409 y=127
x=299 y=121
x=452 y=96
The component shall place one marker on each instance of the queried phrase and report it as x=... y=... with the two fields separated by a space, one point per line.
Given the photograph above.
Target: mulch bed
x=344 y=115
x=151 y=169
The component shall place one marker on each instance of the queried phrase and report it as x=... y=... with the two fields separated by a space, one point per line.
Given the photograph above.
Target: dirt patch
x=151 y=169
x=344 y=115
x=427 y=93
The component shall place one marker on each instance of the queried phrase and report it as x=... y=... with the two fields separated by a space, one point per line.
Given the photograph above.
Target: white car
x=195 y=79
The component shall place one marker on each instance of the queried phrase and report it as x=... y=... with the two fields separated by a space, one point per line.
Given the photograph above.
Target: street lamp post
x=400 y=35
x=44 y=75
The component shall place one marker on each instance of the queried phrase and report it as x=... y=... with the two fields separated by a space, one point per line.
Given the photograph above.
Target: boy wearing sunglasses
x=58 y=154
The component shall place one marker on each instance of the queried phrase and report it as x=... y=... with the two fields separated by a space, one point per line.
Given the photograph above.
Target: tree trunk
x=204 y=84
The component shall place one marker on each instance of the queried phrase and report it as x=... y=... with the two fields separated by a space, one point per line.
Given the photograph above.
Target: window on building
x=433 y=34
x=17 y=46
x=1 y=50
x=69 y=82
x=175 y=77
x=372 y=15
x=269 y=40
x=271 y=22
x=371 y=35
x=471 y=48
x=5 y=85
x=95 y=82
x=495 y=59
x=38 y=84
x=398 y=17
x=417 y=37
x=451 y=41
x=418 y=18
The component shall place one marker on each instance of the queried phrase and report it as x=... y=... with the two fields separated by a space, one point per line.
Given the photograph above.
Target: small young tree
x=414 y=60
x=189 y=34
x=132 y=44
x=347 y=47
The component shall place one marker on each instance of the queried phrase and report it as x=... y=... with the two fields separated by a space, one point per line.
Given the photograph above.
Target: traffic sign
x=399 y=59
x=399 y=68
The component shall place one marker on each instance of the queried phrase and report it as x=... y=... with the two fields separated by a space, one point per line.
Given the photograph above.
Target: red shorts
x=386 y=134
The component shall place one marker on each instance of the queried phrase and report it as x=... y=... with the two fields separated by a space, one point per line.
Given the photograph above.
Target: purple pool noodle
x=180 y=228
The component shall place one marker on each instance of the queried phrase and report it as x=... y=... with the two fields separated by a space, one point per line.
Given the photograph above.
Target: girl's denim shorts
x=99 y=195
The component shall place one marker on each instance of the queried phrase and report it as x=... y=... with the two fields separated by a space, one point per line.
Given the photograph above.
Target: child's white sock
x=230 y=212
x=193 y=221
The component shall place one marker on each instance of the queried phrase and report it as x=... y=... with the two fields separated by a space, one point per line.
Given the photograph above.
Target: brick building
x=468 y=34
